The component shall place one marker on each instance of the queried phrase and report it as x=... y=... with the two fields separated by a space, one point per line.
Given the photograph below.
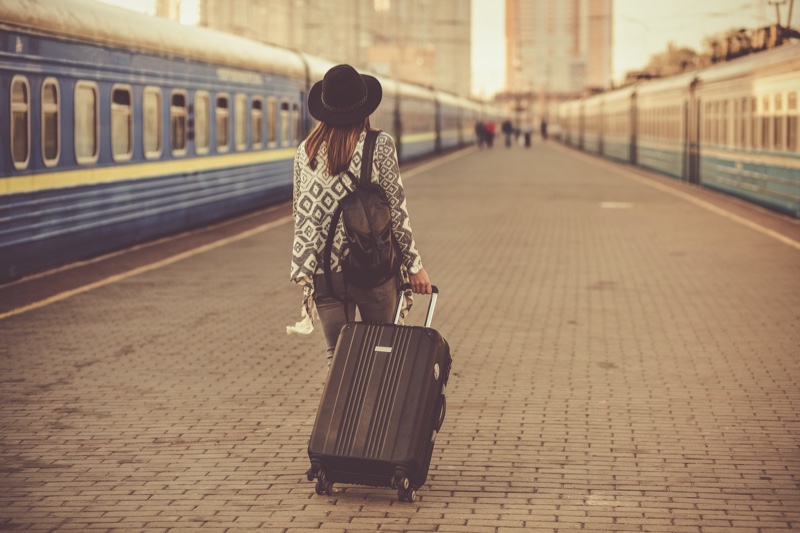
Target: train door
x=398 y=125
x=634 y=120
x=438 y=113
x=693 y=134
x=601 y=127
x=304 y=122
x=685 y=146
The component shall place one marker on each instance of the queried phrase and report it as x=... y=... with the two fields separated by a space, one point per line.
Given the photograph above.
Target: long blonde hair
x=340 y=141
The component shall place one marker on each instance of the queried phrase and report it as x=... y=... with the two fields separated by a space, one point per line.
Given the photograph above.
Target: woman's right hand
x=420 y=283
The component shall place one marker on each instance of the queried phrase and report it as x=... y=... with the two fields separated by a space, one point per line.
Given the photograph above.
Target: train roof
x=678 y=81
x=620 y=94
x=785 y=58
x=416 y=91
x=94 y=22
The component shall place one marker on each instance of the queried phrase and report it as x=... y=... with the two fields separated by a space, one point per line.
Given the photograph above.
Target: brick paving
x=616 y=369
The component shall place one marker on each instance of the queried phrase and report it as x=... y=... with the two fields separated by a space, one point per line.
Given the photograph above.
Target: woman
x=342 y=102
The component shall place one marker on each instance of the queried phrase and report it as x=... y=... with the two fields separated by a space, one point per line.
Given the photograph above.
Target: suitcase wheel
x=314 y=471
x=407 y=495
x=400 y=481
x=323 y=486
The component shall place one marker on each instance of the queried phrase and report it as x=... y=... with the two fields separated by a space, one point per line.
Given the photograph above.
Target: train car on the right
x=747 y=128
x=732 y=127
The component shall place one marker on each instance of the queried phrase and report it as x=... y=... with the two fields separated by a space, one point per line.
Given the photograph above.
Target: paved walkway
x=625 y=360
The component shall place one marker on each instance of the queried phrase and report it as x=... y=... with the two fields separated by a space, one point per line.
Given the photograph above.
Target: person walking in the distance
x=342 y=102
x=543 y=129
x=527 y=130
x=507 y=129
x=489 y=130
x=480 y=133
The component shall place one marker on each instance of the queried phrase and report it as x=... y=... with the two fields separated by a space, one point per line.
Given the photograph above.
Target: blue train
x=123 y=127
x=732 y=127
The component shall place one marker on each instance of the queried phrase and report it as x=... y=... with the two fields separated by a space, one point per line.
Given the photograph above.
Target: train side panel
x=417 y=108
x=106 y=150
x=618 y=125
x=733 y=127
x=661 y=125
x=749 y=129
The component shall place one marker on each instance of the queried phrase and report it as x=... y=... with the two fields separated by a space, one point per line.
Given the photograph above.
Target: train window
x=778 y=122
x=87 y=128
x=257 y=121
x=20 y=122
x=754 y=122
x=295 y=122
x=285 y=125
x=723 y=122
x=240 y=121
x=222 y=114
x=121 y=123
x=51 y=122
x=765 y=118
x=151 y=119
x=272 y=121
x=744 y=122
x=201 y=122
x=791 y=122
x=177 y=122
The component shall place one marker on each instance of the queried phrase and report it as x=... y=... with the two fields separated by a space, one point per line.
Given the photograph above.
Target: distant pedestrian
x=527 y=131
x=507 y=128
x=490 y=131
x=342 y=102
x=480 y=133
x=543 y=129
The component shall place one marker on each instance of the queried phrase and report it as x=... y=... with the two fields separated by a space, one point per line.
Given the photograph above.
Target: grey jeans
x=374 y=305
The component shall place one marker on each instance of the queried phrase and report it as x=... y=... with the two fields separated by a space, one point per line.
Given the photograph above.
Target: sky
x=641 y=28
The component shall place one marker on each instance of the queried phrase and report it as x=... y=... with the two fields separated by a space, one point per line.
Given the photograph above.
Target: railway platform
x=626 y=358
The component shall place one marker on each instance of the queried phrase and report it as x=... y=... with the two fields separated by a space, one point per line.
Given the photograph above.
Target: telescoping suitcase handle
x=434 y=294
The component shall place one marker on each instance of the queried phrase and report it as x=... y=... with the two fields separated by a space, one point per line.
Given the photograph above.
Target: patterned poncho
x=316 y=196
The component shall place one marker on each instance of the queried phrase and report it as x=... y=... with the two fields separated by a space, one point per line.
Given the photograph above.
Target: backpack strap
x=366 y=171
x=367 y=156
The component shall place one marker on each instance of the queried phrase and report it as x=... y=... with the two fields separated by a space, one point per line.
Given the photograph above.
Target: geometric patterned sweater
x=316 y=195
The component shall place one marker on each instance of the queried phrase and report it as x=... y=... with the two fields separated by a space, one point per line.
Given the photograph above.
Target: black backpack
x=373 y=256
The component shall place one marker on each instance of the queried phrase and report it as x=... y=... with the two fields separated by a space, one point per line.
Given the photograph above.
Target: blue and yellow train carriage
x=749 y=128
x=123 y=128
x=417 y=108
x=662 y=108
x=450 y=109
x=592 y=118
x=619 y=140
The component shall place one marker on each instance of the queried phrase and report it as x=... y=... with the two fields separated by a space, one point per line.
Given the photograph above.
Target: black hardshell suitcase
x=382 y=407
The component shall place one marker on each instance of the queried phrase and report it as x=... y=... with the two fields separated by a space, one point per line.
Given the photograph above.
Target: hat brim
x=319 y=112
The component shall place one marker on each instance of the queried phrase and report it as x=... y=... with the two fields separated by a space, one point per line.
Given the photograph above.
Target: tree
x=674 y=60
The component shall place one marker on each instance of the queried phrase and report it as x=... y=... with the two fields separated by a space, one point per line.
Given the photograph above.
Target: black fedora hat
x=344 y=96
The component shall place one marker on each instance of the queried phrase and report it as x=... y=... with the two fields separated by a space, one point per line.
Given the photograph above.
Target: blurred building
x=421 y=41
x=558 y=46
x=168 y=9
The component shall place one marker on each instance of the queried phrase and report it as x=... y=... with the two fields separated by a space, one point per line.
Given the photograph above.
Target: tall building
x=425 y=41
x=558 y=46
x=421 y=41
